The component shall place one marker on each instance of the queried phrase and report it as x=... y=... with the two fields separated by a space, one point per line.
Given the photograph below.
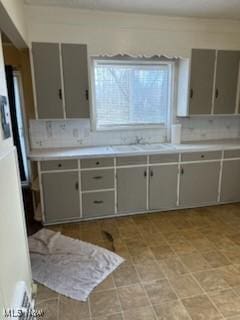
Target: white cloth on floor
x=69 y=266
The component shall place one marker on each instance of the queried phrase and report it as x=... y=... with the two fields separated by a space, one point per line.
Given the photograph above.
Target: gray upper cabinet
x=75 y=76
x=61 y=196
x=199 y=183
x=47 y=80
x=226 y=82
x=163 y=187
x=230 y=190
x=201 y=81
x=131 y=189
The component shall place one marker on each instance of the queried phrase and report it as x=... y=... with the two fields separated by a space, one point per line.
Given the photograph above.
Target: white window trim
x=171 y=87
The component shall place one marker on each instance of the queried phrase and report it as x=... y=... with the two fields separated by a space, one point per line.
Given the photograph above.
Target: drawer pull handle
x=98 y=201
x=59 y=165
x=145 y=173
x=216 y=93
x=151 y=173
x=202 y=155
x=191 y=93
x=98 y=177
x=97 y=163
x=60 y=94
x=182 y=171
x=76 y=186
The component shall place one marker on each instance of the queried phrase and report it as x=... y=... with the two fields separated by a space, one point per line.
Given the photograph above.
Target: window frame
x=142 y=61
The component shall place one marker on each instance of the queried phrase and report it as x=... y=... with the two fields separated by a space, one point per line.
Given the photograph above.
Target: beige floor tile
x=173 y=267
x=70 y=309
x=125 y=276
x=203 y=244
x=44 y=293
x=211 y=280
x=145 y=313
x=215 y=259
x=228 y=302
x=186 y=286
x=143 y=256
x=49 y=308
x=162 y=252
x=194 y=262
x=149 y=271
x=132 y=297
x=201 y=308
x=159 y=291
x=106 y=284
x=171 y=310
x=117 y=316
x=232 y=275
x=104 y=303
x=183 y=247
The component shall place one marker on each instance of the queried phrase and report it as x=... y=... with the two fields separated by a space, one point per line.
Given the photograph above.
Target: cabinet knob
x=97 y=163
x=145 y=173
x=202 y=156
x=86 y=95
x=98 y=201
x=151 y=173
x=97 y=177
x=216 y=93
x=59 y=165
x=182 y=171
x=60 y=94
x=76 y=186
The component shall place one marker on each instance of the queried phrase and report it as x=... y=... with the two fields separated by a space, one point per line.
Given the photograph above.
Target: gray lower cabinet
x=230 y=190
x=131 y=189
x=61 y=196
x=97 y=204
x=199 y=183
x=226 y=82
x=47 y=76
x=201 y=81
x=163 y=187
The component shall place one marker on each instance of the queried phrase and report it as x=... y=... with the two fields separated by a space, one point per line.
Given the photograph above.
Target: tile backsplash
x=75 y=133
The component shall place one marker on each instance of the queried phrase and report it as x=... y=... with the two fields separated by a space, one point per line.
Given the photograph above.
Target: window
x=131 y=93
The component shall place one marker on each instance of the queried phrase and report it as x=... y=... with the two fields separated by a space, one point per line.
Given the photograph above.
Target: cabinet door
x=132 y=189
x=163 y=187
x=75 y=76
x=230 y=189
x=201 y=83
x=47 y=75
x=226 y=82
x=61 y=196
x=199 y=183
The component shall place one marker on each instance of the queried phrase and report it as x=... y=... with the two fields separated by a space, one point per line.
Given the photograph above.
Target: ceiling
x=220 y=9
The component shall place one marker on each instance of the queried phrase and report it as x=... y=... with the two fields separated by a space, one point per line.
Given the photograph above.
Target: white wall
x=15 y=10
x=14 y=256
x=130 y=33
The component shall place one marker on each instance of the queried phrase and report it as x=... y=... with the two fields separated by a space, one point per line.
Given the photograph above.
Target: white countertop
x=131 y=150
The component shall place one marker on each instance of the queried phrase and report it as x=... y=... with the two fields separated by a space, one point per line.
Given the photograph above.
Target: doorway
x=16 y=103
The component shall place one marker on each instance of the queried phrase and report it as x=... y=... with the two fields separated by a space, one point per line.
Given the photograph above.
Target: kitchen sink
x=152 y=147
x=128 y=148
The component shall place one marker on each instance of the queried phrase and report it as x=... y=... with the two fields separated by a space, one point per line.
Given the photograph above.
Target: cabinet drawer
x=164 y=158
x=231 y=154
x=58 y=165
x=97 y=179
x=98 y=204
x=128 y=161
x=97 y=162
x=205 y=155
